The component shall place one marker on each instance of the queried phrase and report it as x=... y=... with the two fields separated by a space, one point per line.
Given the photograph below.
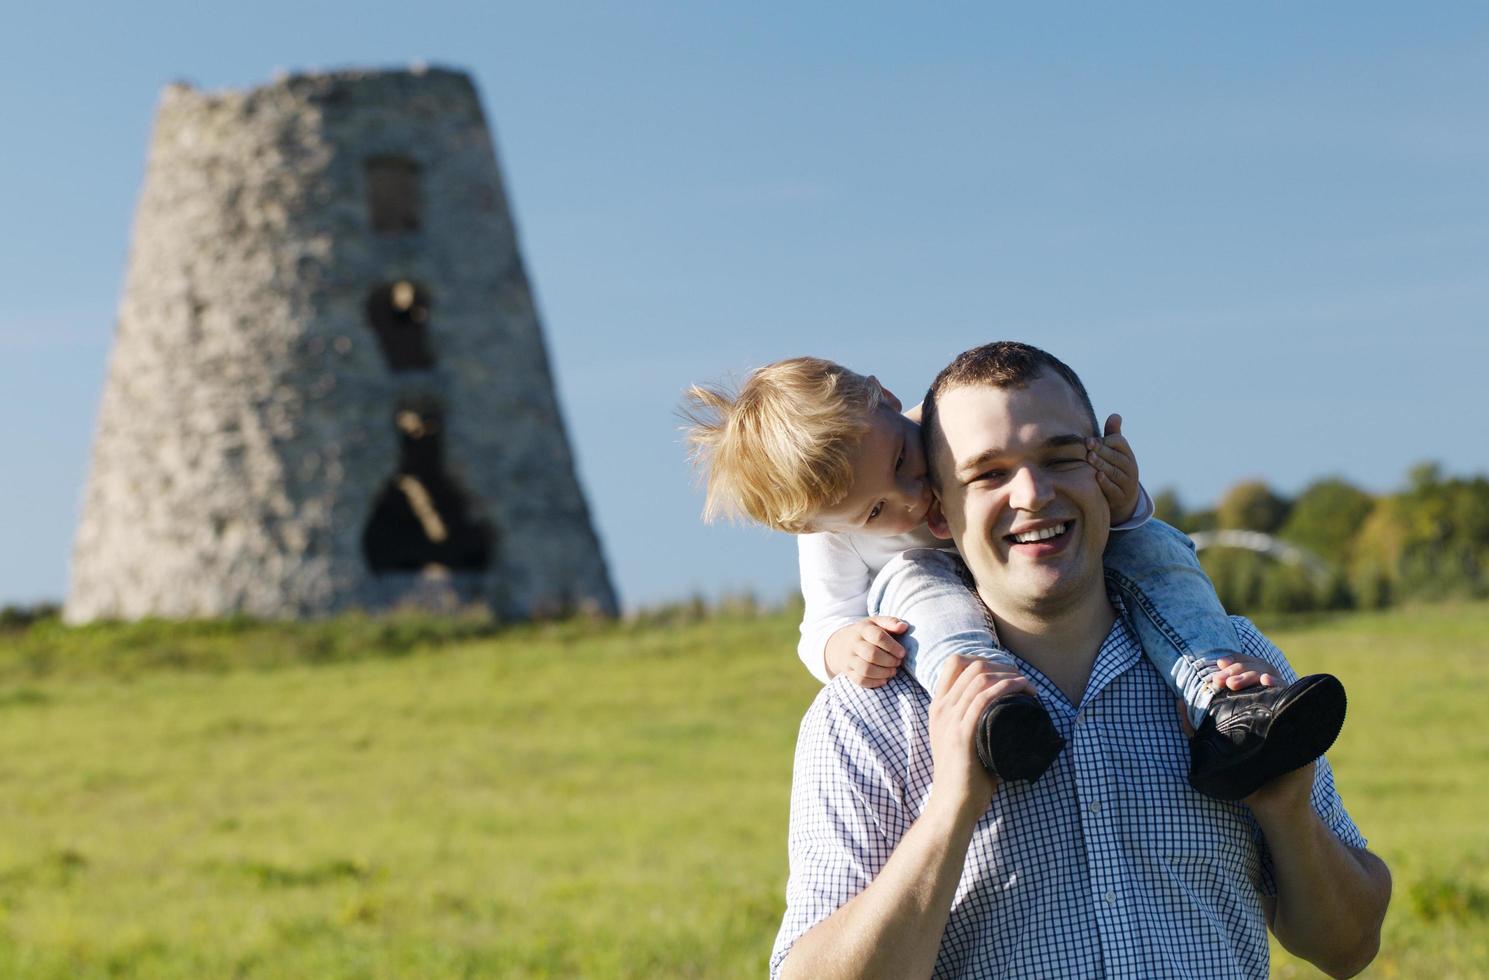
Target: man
x=908 y=857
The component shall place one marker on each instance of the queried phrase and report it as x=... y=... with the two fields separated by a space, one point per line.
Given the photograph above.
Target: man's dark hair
x=1001 y=364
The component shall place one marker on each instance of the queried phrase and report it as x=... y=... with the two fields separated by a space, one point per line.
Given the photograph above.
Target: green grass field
x=410 y=799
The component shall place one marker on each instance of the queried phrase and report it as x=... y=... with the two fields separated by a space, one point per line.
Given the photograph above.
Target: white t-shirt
x=837 y=568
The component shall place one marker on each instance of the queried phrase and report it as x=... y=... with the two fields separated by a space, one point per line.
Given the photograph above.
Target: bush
x=17 y=618
x=1249 y=583
x=47 y=647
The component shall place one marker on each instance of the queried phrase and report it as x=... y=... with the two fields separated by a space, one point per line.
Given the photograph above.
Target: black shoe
x=1016 y=739
x=1252 y=736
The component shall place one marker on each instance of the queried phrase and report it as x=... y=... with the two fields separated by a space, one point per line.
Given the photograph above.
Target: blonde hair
x=780 y=448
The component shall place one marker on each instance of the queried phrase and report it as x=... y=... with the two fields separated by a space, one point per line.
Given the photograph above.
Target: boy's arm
x=868 y=651
x=837 y=634
x=835 y=584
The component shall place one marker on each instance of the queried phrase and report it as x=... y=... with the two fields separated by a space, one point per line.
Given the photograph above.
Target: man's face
x=1017 y=495
x=889 y=493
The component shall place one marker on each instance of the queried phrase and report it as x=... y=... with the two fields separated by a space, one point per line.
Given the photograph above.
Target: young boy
x=808 y=447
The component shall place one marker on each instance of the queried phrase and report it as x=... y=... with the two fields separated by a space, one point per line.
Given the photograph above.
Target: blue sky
x=1259 y=231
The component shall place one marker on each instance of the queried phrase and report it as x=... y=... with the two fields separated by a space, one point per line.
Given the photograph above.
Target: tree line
x=1430 y=541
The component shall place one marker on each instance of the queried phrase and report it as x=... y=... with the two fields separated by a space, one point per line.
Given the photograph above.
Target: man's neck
x=1061 y=644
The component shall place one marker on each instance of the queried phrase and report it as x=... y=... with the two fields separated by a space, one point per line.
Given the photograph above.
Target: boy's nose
x=912 y=490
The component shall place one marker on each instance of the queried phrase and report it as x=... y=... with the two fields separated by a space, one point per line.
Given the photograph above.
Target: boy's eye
x=900 y=459
x=878 y=508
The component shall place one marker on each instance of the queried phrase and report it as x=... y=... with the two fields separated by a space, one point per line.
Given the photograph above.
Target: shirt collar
x=1119 y=652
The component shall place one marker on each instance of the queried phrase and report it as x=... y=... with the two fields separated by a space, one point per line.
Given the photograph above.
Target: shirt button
x=1111 y=898
x=1096 y=807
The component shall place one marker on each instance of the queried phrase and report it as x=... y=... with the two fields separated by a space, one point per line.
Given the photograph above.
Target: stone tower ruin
x=328 y=387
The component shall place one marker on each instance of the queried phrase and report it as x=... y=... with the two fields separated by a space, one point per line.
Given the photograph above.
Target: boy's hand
x=867 y=651
x=1116 y=469
x=1235 y=674
x=1238 y=673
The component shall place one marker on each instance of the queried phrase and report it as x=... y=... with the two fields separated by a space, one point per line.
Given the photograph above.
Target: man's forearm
x=1331 y=898
x=893 y=927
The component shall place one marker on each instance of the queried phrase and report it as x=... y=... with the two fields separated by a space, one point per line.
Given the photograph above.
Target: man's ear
x=886 y=394
x=936 y=521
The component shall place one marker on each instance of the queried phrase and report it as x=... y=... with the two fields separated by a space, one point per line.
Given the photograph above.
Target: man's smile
x=1041 y=538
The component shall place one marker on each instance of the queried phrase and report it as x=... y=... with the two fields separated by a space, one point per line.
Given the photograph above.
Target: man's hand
x=1286 y=797
x=966 y=687
x=893 y=928
x=867 y=650
x=1116 y=469
x=1331 y=898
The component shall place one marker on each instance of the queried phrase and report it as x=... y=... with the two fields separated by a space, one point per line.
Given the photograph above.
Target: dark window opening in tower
x=421 y=517
x=393 y=194
x=399 y=315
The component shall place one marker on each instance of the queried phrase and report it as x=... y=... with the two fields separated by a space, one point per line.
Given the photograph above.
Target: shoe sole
x=1303 y=728
x=1016 y=739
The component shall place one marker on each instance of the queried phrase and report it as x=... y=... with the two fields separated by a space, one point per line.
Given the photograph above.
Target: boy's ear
x=887 y=395
x=936 y=521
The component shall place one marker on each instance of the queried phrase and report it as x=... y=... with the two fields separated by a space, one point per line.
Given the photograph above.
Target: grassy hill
x=366 y=798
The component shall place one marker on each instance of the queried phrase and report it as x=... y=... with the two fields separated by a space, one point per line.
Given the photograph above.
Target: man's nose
x=1029 y=490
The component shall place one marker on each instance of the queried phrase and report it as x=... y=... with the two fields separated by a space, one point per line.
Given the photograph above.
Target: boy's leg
x=926 y=589
x=1173 y=608
x=1244 y=738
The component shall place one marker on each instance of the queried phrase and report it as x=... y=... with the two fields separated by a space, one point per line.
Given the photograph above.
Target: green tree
x=1446 y=550
x=1325 y=518
x=1252 y=506
x=1377 y=553
x=1429 y=542
x=1198 y=520
x=1167 y=507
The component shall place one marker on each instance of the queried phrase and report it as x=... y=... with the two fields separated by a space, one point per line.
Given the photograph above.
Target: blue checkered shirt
x=1109 y=865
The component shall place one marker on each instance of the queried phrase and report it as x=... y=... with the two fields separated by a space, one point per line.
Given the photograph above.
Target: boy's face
x=889 y=493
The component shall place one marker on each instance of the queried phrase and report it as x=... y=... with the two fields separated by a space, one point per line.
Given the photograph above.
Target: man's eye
x=879 y=507
x=1069 y=462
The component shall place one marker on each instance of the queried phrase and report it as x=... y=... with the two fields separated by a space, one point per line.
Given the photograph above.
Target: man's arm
x=1331 y=898
x=1331 y=892
x=893 y=927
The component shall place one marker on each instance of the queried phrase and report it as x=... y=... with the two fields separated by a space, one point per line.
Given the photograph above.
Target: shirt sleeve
x=1141 y=514
x=835 y=584
x=1325 y=795
x=845 y=818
